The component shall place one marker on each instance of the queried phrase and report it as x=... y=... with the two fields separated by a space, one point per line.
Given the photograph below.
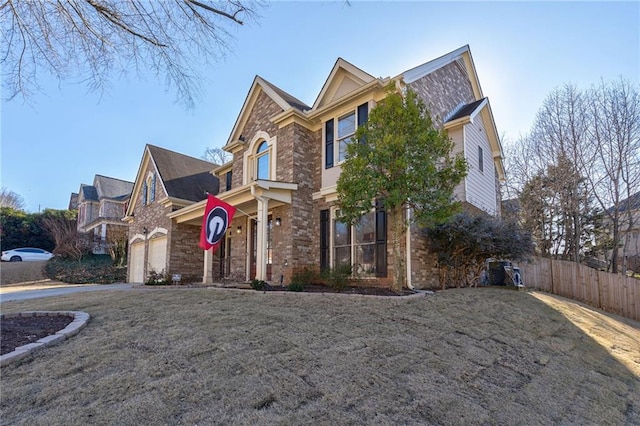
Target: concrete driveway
x=17 y=292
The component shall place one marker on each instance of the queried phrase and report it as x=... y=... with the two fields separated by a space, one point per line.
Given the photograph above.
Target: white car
x=25 y=254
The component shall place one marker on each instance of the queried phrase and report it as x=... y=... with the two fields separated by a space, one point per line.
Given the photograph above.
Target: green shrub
x=94 y=268
x=338 y=277
x=257 y=284
x=295 y=286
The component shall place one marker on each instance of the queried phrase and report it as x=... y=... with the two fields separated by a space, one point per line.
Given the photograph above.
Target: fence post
x=599 y=289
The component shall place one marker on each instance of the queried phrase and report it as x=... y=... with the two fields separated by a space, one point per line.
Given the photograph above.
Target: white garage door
x=136 y=263
x=158 y=254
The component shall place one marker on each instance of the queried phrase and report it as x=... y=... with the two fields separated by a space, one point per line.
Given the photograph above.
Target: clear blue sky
x=522 y=51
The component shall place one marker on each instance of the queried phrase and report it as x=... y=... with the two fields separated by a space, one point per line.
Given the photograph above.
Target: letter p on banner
x=215 y=222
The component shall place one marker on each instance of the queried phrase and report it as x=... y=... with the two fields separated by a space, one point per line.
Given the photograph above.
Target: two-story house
x=101 y=207
x=287 y=158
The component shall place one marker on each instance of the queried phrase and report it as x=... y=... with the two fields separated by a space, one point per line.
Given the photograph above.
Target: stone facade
x=444 y=90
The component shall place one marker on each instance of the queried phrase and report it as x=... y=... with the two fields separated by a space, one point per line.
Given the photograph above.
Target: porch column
x=261 y=243
x=207 y=277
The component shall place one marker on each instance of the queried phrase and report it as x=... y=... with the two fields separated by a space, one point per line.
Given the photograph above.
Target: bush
x=257 y=284
x=337 y=277
x=295 y=286
x=465 y=242
x=95 y=268
x=158 y=278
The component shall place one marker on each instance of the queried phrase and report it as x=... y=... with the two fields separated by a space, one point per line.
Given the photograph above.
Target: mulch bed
x=369 y=291
x=24 y=330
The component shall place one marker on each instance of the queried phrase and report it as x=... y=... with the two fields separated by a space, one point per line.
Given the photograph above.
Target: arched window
x=262 y=161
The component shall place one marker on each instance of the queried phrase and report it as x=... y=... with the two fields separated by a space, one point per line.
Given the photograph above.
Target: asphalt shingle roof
x=108 y=187
x=291 y=100
x=184 y=177
x=466 y=110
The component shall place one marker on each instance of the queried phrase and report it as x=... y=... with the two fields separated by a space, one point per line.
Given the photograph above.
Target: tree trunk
x=398 y=224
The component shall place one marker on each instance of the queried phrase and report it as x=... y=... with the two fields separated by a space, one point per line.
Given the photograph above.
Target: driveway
x=30 y=291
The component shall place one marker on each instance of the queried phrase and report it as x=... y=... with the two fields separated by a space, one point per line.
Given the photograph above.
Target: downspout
x=408 y=244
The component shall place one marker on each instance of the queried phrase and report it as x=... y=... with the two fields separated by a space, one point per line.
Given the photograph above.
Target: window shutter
x=324 y=240
x=144 y=194
x=381 y=240
x=153 y=188
x=328 y=147
x=363 y=116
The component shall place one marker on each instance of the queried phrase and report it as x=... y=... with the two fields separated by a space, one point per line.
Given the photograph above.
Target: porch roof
x=243 y=198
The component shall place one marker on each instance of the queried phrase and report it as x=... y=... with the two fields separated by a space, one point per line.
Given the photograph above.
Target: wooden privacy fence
x=614 y=293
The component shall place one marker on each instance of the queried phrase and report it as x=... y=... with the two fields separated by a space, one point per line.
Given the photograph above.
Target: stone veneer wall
x=443 y=90
x=151 y=216
x=184 y=255
x=262 y=111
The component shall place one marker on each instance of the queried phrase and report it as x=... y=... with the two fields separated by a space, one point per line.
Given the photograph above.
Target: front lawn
x=210 y=356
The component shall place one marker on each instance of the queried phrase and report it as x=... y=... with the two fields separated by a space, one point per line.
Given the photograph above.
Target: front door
x=254 y=248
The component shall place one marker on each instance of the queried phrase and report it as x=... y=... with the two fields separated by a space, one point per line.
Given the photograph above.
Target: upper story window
x=339 y=133
x=149 y=189
x=262 y=161
x=228 y=178
x=480 y=159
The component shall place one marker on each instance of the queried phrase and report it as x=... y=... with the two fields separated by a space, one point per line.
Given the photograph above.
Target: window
x=480 y=159
x=361 y=246
x=342 y=134
x=262 y=161
x=228 y=177
x=346 y=131
x=149 y=190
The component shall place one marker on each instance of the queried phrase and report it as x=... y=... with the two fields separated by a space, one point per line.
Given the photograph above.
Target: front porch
x=254 y=240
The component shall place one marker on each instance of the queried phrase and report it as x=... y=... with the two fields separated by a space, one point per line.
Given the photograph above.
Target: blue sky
x=522 y=51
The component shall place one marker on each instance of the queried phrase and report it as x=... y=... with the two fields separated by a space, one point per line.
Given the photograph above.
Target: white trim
x=157 y=230
x=427 y=68
x=249 y=157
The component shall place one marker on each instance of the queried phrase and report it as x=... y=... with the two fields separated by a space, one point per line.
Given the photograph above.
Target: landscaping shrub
x=158 y=278
x=94 y=268
x=338 y=277
x=295 y=286
x=257 y=284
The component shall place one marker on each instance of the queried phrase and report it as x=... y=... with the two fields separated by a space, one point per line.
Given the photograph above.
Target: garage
x=136 y=262
x=158 y=254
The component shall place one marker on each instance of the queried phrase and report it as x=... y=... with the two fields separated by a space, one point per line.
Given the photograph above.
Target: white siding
x=480 y=186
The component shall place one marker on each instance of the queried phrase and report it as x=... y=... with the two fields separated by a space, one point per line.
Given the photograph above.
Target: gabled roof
x=462 y=54
x=631 y=203
x=469 y=110
x=108 y=187
x=345 y=76
x=87 y=193
x=184 y=177
x=284 y=100
x=73 y=201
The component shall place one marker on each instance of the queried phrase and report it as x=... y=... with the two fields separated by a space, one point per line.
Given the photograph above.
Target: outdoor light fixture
x=144 y=230
x=278 y=221
x=239 y=229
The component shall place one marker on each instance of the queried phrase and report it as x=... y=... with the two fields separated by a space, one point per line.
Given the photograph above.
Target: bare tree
x=69 y=242
x=11 y=199
x=615 y=153
x=89 y=39
x=216 y=156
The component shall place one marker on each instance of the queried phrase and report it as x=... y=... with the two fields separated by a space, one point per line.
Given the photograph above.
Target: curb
x=80 y=320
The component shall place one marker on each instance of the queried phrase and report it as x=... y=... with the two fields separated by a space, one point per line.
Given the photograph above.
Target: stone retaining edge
x=80 y=320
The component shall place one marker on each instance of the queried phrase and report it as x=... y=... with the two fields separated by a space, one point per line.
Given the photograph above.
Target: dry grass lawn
x=203 y=356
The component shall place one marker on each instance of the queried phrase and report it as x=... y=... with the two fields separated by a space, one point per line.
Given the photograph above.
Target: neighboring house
x=101 y=207
x=287 y=158
x=629 y=243
x=166 y=181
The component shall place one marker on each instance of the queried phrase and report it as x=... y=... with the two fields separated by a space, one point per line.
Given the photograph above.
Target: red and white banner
x=215 y=222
